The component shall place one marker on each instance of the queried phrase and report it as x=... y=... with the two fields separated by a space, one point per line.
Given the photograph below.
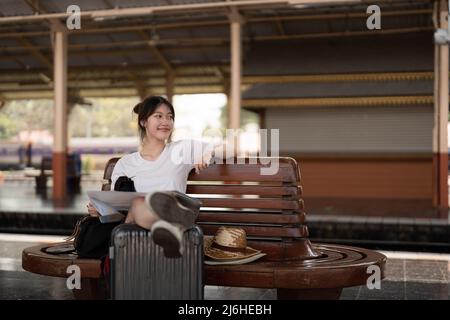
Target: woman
x=161 y=168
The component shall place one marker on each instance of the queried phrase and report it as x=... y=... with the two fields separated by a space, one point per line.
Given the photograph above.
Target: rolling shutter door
x=353 y=129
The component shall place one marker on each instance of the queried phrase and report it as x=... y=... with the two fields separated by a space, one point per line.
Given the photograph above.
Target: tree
x=8 y=128
x=25 y=115
x=107 y=117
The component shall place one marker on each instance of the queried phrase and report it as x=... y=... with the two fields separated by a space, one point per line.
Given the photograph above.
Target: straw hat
x=228 y=244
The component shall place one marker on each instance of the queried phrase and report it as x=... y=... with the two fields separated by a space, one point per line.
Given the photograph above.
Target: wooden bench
x=270 y=209
x=73 y=174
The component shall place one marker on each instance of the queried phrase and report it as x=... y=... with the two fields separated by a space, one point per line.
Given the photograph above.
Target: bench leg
x=91 y=289
x=309 y=294
x=41 y=183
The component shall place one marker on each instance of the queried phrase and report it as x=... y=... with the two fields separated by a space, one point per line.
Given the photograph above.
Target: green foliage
x=107 y=117
x=8 y=127
x=23 y=115
x=87 y=164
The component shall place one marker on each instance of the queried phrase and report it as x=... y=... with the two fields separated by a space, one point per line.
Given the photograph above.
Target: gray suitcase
x=140 y=271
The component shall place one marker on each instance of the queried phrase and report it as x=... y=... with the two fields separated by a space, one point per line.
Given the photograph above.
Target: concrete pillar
x=441 y=104
x=60 y=114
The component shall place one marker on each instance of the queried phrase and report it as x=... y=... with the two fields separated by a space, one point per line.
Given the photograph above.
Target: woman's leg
x=140 y=214
x=169 y=237
x=171 y=219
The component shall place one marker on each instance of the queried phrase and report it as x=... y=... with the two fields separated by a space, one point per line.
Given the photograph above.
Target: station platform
x=409 y=276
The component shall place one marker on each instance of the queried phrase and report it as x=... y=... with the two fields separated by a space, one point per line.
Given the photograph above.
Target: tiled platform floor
x=417 y=276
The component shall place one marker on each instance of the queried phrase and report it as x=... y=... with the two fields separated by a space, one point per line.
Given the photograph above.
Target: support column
x=441 y=104
x=170 y=79
x=60 y=114
x=142 y=92
x=234 y=104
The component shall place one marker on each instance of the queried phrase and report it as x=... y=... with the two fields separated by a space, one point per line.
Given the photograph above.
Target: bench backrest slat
x=249 y=217
x=239 y=189
x=250 y=203
x=245 y=172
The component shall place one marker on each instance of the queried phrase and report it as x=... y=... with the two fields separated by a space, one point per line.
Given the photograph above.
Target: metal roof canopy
x=171 y=40
x=124 y=45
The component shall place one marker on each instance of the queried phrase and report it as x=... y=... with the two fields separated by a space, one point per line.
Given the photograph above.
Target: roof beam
x=144 y=11
x=157 y=53
x=174 y=8
x=344 y=77
x=180 y=68
x=216 y=41
x=35 y=52
x=261 y=79
x=112 y=92
x=129 y=85
x=16 y=60
x=78 y=78
x=39 y=9
x=338 y=102
x=141 y=87
x=111 y=52
x=46 y=75
x=125 y=81
x=42 y=75
x=222 y=40
x=225 y=23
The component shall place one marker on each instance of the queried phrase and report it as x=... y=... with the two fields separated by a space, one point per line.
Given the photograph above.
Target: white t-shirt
x=168 y=172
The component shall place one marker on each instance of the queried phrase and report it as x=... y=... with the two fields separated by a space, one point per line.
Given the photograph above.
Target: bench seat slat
x=344 y=272
x=349 y=268
x=34 y=260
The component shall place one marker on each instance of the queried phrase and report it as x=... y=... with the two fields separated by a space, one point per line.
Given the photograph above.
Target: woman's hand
x=92 y=211
x=206 y=159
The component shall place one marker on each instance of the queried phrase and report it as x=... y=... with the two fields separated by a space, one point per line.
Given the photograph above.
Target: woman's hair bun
x=137 y=108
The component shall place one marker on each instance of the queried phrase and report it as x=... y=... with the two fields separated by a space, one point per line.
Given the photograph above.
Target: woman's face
x=160 y=124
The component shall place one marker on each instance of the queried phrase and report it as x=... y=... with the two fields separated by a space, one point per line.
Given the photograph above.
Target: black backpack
x=92 y=237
